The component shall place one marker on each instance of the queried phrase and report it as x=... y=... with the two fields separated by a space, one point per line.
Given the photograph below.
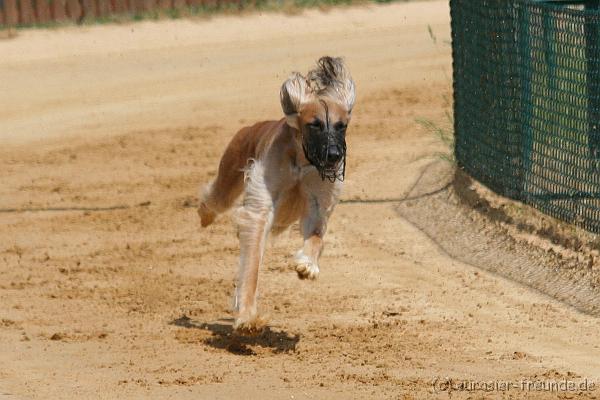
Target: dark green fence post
x=593 y=79
x=526 y=111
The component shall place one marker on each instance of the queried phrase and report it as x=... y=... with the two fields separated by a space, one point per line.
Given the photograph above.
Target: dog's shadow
x=224 y=337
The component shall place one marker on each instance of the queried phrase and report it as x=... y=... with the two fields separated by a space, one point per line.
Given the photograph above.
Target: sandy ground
x=109 y=289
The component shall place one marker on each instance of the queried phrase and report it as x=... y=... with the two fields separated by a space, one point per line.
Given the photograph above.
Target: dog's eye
x=340 y=126
x=316 y=124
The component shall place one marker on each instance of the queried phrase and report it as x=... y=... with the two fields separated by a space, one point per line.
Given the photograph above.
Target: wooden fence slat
x=14 y=12
x=88 y=9
x=42 y=11
x=147 y=5
x=74 y=10
x=103 y=8
x=58 y=9
x=26 y=13
x=138 y=6
x=150 y=5
x=165 y=4
x=121 y=6
x=11 y=12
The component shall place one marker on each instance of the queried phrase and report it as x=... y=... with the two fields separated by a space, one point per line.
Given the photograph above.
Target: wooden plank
x=74 y=11
x=179 y=3
x=58 y=10
x=118 y=6
x=26 y=13
x=138 y=6
x=88 y=9
x=103 y=8
x=11 y=12
x=165 y=4
x=129 y=6
x=42 y=11
x=150 y=5
x=123 y=6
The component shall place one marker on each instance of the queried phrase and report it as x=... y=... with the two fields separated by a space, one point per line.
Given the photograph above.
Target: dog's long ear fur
x=331 y=78
x=295 y=91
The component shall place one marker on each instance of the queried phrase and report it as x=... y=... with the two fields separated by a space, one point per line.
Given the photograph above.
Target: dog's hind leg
x=254 y=221
x=219 y=195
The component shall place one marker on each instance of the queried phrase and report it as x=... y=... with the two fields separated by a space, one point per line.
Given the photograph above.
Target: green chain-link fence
x=527 y=102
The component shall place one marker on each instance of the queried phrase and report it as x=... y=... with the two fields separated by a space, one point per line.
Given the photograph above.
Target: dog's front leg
x=307 y=258
x=254 y=220
x=314 y=225
x=321 y=198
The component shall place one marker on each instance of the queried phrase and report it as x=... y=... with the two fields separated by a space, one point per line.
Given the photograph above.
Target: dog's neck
x=296 y=150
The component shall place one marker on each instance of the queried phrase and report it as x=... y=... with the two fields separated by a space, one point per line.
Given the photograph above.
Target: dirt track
x=109 y=289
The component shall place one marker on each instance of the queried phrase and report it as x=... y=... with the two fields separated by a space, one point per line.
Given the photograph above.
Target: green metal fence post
x=593 y=80
x=526 y=101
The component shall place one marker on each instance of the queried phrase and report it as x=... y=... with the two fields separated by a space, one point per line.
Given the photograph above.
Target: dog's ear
x=294 y=92
x=332 y=78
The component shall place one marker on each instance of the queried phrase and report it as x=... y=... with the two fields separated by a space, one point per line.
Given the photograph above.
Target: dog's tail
x=205 y=211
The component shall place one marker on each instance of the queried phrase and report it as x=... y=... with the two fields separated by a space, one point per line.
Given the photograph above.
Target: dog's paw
x=207 y=217
x=307 y=271
x=249 y=325
x=305 y=267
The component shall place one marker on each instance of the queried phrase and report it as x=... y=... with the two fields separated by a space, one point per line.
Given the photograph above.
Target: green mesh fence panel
x=527 y=102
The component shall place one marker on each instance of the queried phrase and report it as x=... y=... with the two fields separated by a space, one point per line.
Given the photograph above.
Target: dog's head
x=319 y=106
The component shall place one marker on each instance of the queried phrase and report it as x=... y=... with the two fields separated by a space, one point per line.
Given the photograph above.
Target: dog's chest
x=298 y=173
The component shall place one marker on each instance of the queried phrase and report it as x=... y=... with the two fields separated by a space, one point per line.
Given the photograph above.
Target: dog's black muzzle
x=327 y=152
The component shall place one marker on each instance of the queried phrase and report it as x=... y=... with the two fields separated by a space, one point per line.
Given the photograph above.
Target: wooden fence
x=28 y=12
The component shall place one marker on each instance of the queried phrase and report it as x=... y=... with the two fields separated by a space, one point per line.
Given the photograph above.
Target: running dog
x=288 y=170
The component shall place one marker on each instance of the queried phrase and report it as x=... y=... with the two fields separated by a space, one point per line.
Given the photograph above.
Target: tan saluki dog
x=288 y=170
